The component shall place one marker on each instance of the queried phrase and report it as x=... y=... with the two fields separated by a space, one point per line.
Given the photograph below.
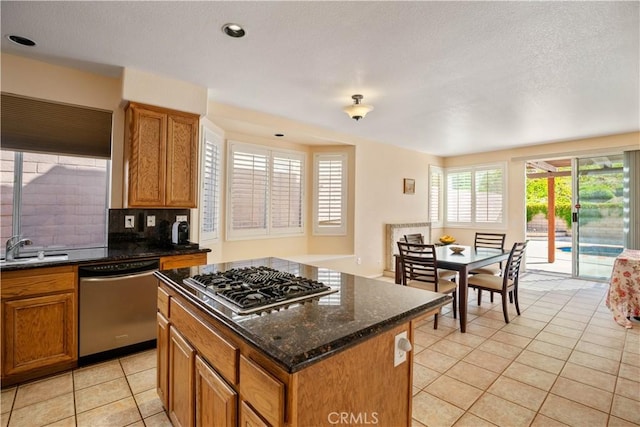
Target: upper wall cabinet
x=162 y=157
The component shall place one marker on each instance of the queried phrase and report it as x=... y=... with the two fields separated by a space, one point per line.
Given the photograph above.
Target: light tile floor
x=564 y=361
x=119 y=392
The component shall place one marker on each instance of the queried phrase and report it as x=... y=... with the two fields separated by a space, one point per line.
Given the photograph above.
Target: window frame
x=216 y=141
x=269 y=231
x=329 y=230
x=17 y=198
x=474 y=223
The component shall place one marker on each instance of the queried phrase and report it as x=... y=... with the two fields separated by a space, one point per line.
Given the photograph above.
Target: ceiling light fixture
x=357 y=110
x=21 y=40
x=233 y=30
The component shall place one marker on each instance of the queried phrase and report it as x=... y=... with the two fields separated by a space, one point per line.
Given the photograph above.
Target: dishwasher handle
x=117 y=278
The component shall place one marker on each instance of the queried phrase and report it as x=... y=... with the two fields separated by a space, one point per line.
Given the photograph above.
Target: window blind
x=249 y=186
x=459 y=197
x=286 y=192
x=266 y=191
x=435 y=195
x=210 y=196
x=476 y=196
x=489 y=194
x=330 y=185
x=35 y=125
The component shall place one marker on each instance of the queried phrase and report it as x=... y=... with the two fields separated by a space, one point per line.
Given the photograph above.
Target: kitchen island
x=330 y=360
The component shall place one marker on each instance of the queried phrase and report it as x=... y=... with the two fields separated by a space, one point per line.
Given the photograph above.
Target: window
x=330 y=198
x=210 y=194
x=58 y=201
x=475 y=196
x=436 y=178
x=265 y=191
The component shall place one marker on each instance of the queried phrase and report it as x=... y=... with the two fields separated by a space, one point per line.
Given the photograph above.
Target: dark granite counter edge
x=292 y=365
x=106 y=256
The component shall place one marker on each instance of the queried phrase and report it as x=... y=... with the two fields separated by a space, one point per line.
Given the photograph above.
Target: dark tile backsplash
x=141 y=234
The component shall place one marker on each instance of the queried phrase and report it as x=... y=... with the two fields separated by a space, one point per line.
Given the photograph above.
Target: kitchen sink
x=33 y=259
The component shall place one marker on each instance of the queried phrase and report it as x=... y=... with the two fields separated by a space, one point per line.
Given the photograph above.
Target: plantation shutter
x=210 y=199
x=459 y=197
x=330 y=213
x=286 y=192
x=435 y=195
x=489 y=195
x=248 y=188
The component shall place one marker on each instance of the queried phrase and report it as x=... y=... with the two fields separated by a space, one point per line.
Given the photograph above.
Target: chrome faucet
x=14 y=243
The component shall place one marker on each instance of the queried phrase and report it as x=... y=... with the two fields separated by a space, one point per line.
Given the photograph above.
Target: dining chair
x=506 y=284
x=419 y=239
x=419 y=270
x=491 y=241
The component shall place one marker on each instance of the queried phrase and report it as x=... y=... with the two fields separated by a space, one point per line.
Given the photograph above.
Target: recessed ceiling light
x=21 y=40
x=233 y=30
x=279 y=135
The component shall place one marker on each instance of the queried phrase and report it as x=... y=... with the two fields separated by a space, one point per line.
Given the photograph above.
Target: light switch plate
x=151 y=221
x=129 y=221
x=180 y=218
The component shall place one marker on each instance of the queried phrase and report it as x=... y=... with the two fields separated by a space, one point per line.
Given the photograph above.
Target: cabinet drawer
x=262 y=391
x=182 y=261
x=163 y=302
x=219 y=352
x=38 y=281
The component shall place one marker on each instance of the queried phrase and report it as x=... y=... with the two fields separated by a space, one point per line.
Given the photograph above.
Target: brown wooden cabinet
x=216 y=402
x=162 y=157
x=248 y=417
x=39 y=322
x=182 y=261
x=181 y=376
x=232 y=377
x=163 y=360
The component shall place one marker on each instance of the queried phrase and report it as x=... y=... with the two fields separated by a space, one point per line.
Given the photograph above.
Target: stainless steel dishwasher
x=117 y=308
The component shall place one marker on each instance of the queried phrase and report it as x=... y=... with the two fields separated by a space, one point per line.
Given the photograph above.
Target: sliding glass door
x=597 y=215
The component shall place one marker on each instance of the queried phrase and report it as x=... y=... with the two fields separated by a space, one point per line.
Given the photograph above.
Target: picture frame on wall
x=409 y=186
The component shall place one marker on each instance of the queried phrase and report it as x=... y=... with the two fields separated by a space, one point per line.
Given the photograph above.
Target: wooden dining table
x=469 y=259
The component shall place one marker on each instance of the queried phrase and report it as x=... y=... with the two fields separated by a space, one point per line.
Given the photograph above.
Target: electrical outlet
x=401 y=347
x=151 y=221
x=129 y=221
x=180 y=218
x=358 y=260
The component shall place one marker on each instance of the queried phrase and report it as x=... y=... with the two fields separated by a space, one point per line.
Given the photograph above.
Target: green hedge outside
x=588 y=211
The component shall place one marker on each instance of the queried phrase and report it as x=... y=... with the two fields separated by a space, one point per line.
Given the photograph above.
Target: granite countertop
x=121 y=252
x=303 y=334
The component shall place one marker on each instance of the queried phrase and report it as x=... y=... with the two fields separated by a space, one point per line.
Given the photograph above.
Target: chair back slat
x=515 y=260
x=490 y=240
x=414 y=238
x=418 y=262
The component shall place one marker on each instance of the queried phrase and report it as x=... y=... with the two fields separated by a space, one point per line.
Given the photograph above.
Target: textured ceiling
x=445 y=78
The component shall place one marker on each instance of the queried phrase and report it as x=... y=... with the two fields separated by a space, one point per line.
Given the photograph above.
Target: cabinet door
x=181 y=396
x=147 y=157
x=38 y=332
x=216 y=402
x=182 y=161
x=248 y=417
x=163 y=360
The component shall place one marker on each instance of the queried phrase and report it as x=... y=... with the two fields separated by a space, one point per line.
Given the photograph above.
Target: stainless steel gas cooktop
x=260 y=289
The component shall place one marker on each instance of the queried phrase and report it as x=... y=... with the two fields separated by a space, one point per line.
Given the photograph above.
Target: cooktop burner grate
x=257 y=289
